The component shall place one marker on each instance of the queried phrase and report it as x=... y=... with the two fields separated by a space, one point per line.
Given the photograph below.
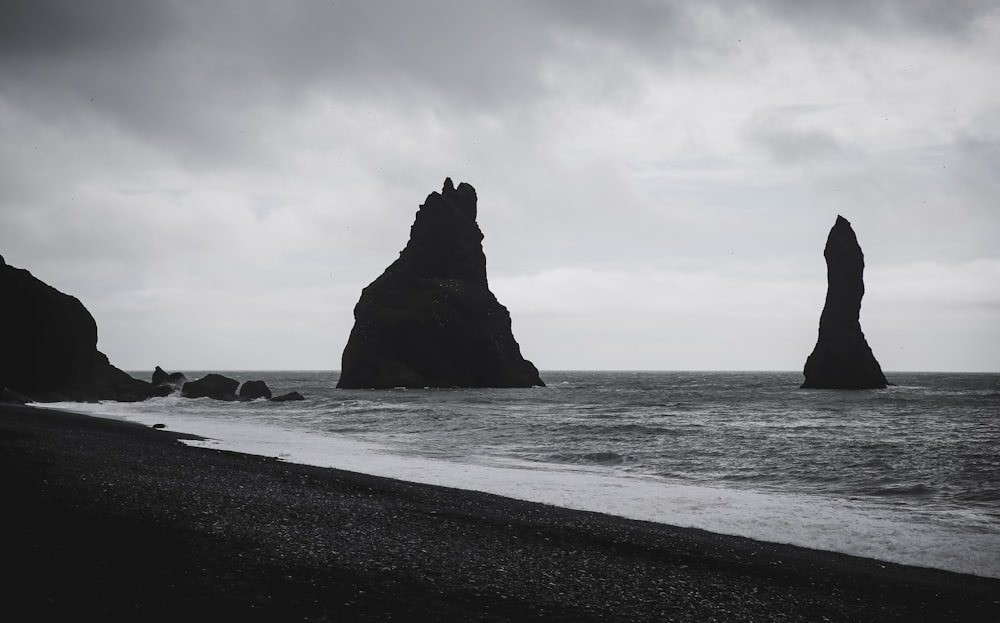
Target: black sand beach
x=122 y=522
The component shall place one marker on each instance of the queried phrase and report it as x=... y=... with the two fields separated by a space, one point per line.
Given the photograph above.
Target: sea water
x=908 y=474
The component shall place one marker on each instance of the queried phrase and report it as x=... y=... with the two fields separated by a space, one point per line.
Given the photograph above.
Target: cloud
x=666 y=319
x=52 y=29
x=737 y=291
x=788 y=140
x=750 y=316
x=932 y=315
x=875 y=17
x=158 y=158
x=942 y=287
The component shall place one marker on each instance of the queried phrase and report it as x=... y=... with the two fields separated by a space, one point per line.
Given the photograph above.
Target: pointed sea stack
x=842 y=358
x=430 y=319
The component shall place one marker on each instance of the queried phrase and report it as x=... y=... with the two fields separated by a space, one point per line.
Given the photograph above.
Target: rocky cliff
x=842 y=358
x=48 y=346
x=430 y=319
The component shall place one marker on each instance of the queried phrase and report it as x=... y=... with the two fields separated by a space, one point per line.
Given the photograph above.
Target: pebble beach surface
x=109 y=519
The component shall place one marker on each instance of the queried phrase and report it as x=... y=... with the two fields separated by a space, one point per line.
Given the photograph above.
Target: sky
x=217 y=181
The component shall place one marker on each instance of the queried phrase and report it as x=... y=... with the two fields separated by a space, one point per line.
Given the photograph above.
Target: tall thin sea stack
x=430 y=319
x=842 y=358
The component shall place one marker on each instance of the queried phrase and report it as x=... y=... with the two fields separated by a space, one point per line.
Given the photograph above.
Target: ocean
x=908 y=474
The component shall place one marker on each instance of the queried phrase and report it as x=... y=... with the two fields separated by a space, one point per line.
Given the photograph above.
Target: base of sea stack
x=118 y=522
x=845 y=366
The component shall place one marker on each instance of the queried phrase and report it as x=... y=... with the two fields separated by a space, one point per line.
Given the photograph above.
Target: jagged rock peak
x=430 y=319
x=463 y=199
x=842 y=358
x=451 y=202
x=445 y=240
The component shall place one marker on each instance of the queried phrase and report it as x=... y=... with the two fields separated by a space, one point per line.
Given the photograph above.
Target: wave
x=590 y=458
x=902 y=490
x=925 y=449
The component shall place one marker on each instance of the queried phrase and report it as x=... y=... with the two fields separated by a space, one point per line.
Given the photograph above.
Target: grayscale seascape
x=908 y=474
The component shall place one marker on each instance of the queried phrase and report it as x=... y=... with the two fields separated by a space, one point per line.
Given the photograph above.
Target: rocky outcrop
x=252 y=390
x=48 y=346
x=213 y=385
x=220 y=387
x=430 y=319
x=289 y=397
x=171 y=380
x=842 y=358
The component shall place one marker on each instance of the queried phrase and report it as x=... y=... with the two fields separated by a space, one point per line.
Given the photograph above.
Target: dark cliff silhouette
x=430 y=319
x=48 y=346
x=842 y=358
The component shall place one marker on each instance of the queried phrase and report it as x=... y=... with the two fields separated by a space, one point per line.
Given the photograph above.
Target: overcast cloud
x=217 y=181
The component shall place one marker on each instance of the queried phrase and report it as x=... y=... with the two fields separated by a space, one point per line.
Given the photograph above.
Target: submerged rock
x=252 y=390
x=842 y=358
x=48 y=346
x=290 y=396
x=430 y=319
x=211 y=386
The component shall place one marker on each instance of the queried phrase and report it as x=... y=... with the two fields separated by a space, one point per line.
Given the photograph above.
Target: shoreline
x=118 y=519
x=869 y=528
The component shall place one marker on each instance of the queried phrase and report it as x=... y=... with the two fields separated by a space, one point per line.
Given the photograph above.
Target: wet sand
x=123 y=522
